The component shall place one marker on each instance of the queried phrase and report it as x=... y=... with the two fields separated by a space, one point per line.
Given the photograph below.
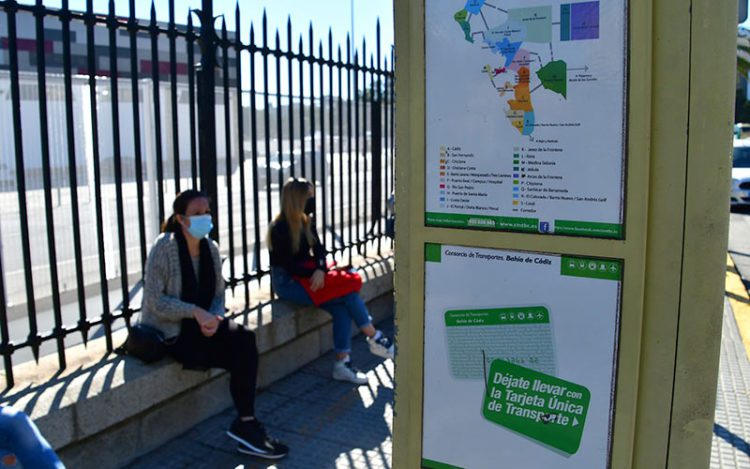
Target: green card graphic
x=542 y=407
x=521 y=335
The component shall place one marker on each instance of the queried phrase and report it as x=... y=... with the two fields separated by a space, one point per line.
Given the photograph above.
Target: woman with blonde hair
x=296 y=251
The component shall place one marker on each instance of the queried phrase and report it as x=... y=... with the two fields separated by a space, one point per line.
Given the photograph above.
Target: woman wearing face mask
x=296 y=251
x=183 y=297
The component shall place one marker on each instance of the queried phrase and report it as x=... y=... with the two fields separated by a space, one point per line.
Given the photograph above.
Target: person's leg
x=342 y=338
x=342 y=326
x=233 y=348
x=379 y=344
x=19 y=436
x=287 y=288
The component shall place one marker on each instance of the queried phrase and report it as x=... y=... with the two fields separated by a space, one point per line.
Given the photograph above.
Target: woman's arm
x=319 y=251
x=217 y=305
x=155 y=299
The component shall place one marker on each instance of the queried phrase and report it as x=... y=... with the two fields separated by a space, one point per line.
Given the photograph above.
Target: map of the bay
x=520 y=44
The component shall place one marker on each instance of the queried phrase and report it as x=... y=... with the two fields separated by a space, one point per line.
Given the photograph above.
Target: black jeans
x=232 y=348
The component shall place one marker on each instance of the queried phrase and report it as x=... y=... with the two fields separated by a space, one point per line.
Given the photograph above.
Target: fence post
x=206 y=110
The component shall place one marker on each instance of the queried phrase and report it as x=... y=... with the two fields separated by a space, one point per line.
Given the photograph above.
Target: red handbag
x=338 y=283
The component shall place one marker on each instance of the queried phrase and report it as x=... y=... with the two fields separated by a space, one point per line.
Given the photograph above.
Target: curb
x=739 y=301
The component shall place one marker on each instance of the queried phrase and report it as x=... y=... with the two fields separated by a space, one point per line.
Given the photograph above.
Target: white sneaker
x=382 y=347
x=344 y=371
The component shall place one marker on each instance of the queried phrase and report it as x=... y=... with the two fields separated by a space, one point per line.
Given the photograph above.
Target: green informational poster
x=520 y=355
x=525 y=116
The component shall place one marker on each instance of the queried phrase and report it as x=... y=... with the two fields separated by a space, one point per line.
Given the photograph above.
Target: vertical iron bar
x=301 y=64
x=7 y=348
x=279 y=134
x=191 y=97
x=91 y=56
x=241 y=151
x=154 y=32
x=15 y=94
x=313 y=151
x=357 y=201
x=290 y=101
x=115 y=107
x=352 y=241
x=39 y=13
x=207 y=112
x=227 y=144
x=175 y=143
x=331 y=145
x=365 y=159
x=267 y=120
x=73 y=171
x=378 y=198
x=340 y=121
x=392 y=92
x=322 y=205
x=254 y=149
x=386 y=147
x=134 y=75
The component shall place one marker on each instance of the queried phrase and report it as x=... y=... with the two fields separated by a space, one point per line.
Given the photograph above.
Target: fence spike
x=312 y=42
x=265 y=26
x=237 y=24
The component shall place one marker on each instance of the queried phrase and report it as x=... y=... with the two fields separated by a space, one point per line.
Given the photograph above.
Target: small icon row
x=594 y=266
x=521 y=316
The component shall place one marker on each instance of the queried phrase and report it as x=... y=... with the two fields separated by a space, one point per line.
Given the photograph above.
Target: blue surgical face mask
x=200 y=226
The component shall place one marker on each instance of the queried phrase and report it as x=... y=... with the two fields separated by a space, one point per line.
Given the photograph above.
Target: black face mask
x=310 y=206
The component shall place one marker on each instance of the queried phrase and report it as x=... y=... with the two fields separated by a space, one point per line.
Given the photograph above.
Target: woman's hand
x=209 y=323
x=317 y=280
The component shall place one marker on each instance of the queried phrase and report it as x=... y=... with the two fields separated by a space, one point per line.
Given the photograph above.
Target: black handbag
x=144 y=343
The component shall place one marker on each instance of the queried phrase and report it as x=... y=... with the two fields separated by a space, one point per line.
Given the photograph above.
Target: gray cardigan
x=162 y=307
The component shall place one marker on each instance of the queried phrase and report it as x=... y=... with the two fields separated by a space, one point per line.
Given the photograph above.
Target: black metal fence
x=147 y=109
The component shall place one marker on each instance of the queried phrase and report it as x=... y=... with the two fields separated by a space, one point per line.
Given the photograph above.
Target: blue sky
x=746 y=24
x=323 y=14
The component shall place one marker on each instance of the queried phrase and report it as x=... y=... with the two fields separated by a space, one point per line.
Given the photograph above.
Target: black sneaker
x=253 y=440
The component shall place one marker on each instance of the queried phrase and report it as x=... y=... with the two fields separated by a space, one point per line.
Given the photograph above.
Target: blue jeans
x=20 y=438
x=343 y=310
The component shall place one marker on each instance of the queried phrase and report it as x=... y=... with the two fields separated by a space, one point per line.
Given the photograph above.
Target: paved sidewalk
x=326 y=423
x=730 y=448
x=330 y=424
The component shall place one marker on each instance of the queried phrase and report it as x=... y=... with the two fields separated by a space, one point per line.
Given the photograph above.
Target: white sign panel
x=519 y=359
x=525 y=115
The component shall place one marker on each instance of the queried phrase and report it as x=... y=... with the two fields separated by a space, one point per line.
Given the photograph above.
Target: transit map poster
x=520 y=354
x=525 y=116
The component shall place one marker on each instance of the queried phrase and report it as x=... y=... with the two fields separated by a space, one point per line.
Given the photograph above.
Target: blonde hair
x=293 y=197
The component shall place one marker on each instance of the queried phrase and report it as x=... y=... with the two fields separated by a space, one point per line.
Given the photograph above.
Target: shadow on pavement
x=325 y=423
x=732 y=438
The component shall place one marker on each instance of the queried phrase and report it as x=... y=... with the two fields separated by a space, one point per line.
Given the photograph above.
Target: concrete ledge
x=104 y=409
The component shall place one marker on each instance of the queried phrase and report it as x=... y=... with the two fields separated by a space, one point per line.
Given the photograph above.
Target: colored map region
x=461 y=17
x=474 y=6
x=523 y=41
x=537 y=21
x=554 y=77
x=579 y=21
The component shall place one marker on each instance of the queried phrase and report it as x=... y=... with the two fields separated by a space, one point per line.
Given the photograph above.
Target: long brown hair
x=293 y=197
x=179 y=207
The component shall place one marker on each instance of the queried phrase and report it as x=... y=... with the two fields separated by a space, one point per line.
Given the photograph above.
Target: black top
x=282 y=256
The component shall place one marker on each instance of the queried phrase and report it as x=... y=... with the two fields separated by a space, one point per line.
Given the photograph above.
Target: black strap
x=199 y=291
